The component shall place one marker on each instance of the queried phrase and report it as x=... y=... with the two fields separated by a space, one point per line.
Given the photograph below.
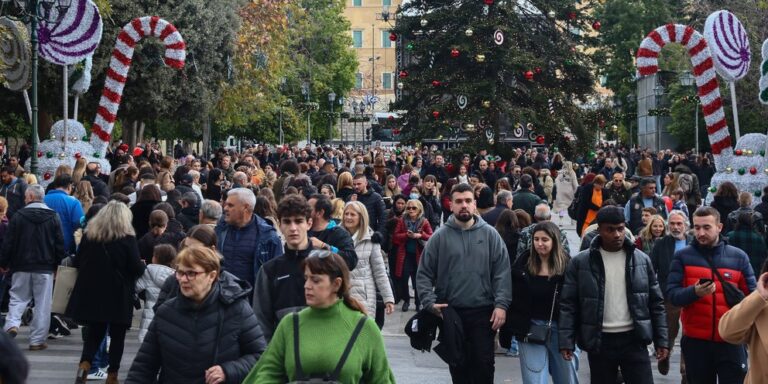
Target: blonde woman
x=338 y=210
x=344 y=188
x=370 y=274
x=108 y=265
x=30 y=178
x=391 y=189
x=653 y=231
x=84 y=194
x=79 y=171
x=411 y=234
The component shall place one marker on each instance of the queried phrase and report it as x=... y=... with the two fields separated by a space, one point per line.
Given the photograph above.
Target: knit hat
x=137 y=151
x=610 y=215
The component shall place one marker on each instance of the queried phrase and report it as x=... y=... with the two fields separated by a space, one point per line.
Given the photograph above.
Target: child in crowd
x=152 y=281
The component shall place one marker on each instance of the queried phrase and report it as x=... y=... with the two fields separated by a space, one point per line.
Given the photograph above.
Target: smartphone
x=704 y=281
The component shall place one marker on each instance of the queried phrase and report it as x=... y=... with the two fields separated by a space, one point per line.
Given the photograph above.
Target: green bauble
x=409 y=46
x=96 y=155
x=742 y=171
x=758 y=193
x=713 y=189
x=49 y=155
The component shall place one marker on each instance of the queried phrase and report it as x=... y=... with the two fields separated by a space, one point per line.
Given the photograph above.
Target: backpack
x=573 y=208
x=685 y=181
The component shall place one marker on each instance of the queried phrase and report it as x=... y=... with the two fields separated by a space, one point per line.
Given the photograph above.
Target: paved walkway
x=58 y=363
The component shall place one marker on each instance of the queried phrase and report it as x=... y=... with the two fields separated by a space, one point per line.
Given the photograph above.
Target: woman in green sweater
x=325 y=329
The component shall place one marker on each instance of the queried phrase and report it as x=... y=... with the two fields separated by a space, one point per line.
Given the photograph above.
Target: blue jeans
x=538 y=362
x=101 y=358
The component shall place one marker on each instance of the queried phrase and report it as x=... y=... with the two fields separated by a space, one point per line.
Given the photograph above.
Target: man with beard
x=696 y=282
x=661 y=257
x=465 y=269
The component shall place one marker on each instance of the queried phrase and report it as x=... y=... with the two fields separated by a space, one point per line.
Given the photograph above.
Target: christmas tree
x=481 y=68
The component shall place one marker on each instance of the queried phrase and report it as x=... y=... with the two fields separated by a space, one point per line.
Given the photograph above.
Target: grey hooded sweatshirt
x=465 y=268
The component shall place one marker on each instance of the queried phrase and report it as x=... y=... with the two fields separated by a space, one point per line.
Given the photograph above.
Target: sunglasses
x=412 y=208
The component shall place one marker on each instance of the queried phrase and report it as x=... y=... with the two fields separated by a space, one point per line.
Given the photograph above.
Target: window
x=386 y=80
x=386 y=3
x=385 y=42
x=357 y=3
x=357 y=38
x=358 y=80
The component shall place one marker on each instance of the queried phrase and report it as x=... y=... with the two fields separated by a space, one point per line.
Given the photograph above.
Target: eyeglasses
x=412 y=208
x=191 y=275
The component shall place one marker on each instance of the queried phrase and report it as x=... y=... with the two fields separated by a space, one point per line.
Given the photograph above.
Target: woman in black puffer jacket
x=208 y=333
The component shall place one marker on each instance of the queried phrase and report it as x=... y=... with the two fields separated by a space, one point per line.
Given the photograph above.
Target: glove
x=377 y=238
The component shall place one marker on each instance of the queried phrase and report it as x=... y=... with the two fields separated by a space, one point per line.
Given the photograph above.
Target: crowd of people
x=272 y=265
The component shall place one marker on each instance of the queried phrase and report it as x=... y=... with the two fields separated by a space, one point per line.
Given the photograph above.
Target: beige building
x=371 y=23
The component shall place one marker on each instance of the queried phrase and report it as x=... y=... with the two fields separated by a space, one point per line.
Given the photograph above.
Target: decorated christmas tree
x=487 y=68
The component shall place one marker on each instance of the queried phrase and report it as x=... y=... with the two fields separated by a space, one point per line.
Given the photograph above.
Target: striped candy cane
x=706 y=80
x=120 y=64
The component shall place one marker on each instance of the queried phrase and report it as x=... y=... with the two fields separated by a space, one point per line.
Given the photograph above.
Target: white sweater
x=616 y=317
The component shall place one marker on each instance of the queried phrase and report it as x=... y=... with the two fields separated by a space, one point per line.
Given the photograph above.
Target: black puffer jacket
x=582 y=300
x=33 y=240
x=185 y=339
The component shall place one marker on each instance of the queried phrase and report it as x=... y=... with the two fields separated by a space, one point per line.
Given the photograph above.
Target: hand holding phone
x=704 y=287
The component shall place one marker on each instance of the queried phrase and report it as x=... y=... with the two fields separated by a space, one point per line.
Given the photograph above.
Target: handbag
x=540 y=333
x=733 y=295
x=333 y=378
x=62 y=289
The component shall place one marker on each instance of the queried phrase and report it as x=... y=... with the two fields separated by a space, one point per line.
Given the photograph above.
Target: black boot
x=406 y=306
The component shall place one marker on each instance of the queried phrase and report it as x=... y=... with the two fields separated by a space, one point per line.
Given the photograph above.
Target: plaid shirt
x=525 y=241
x=752 y=244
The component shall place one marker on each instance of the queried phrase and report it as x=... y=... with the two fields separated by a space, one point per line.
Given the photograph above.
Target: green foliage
x=303 y=42
x=496 y=88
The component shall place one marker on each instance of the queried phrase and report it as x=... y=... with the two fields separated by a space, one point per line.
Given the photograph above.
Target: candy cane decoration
x=706 y=80
x=120 y=64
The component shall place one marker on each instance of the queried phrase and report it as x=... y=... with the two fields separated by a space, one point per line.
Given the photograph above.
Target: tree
x=451 y=56
x=275 y=55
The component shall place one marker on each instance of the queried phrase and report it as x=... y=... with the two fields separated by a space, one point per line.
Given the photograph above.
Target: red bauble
x=396 y=131
x=539 y=139
x=78 y=155
x=739 y=152
x=529 y=75
x=392 y=37
x=436 y=114
x=391 y=118
x=39 y=153
x=596 y=25
x=403 y=74
x=454 y=53
x=488 y=2
x=538 y=70
x=435 y=83
x=753 y=171
x=47 y=176
x=572 y=15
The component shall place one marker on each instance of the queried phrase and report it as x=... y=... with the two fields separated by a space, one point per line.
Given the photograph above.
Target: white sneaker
x=98 y=375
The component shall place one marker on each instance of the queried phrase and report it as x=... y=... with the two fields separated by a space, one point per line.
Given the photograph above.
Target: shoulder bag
x=540 y=333
x=733 y=295
x=333 y=378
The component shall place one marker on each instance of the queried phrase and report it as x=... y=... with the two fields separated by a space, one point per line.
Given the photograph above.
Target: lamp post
x=687 y=80
x=306 y=93
x=630 y=102
x=331 y=99
x=616 y=111
x=658 y=91
x=29 y=12
x=358 y=108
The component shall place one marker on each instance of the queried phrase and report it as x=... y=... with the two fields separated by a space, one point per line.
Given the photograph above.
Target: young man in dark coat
x=611 y=304
x=326 y=234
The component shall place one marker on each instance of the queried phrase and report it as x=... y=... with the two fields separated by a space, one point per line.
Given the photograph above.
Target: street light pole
x=305 y=90
x=35 y=107
x=658 y=91
x=687 y=80
x=331 y=99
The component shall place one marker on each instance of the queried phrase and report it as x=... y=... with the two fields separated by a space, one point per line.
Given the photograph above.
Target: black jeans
x=96 y=333
x=707 y=362
x=409 y=272
x=479 y=358
x=620 y=350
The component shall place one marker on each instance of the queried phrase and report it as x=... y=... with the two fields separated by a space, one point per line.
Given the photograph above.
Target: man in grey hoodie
x=465 y=265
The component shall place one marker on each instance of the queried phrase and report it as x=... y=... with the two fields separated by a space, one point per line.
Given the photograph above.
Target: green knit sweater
x=323 y=335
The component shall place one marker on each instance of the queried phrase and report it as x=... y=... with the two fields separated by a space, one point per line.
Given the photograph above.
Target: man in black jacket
x=326 y=234
x=374 y=203
x=661 y=257
x=611 y=304
x=100 y=188
x=32 y=249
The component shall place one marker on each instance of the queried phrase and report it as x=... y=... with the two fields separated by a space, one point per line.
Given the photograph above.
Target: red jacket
x=700 y=316
x=400 y=237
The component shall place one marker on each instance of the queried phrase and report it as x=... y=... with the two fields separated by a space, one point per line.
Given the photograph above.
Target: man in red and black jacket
x=693 y=285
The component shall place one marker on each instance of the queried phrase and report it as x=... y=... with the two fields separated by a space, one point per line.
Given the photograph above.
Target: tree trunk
x=140 y=135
